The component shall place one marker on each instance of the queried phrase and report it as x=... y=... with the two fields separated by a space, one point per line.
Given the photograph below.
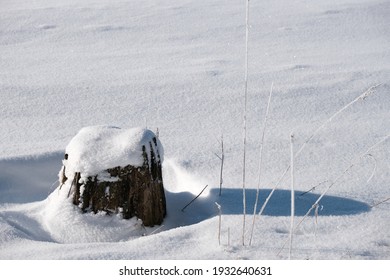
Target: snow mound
x=64 y=223
x=97 y=148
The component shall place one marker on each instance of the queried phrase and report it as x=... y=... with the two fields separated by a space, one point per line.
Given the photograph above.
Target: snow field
x=178 y=66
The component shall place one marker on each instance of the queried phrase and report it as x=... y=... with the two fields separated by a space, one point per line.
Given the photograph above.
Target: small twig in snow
x=313 y=188
x=194 y=199
x=218 y=156
x=383 y=201
x=160 y=227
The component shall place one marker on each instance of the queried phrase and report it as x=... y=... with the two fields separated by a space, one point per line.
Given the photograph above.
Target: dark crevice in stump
x=131 y=190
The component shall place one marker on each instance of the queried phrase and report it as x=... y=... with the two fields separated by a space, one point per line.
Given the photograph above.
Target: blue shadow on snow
x=280 y=203
x=231 y=203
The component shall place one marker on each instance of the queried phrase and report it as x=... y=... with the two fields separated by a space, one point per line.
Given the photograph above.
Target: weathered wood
x=132 y=191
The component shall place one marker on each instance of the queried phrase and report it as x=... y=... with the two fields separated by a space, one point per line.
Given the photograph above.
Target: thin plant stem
x=221 y=172
x=292 y=196
x=219 y=222
x=244 y=128
x=157 y=229
x=228 y=236
x=374 y=169
x=316 y=220
x=260 y=163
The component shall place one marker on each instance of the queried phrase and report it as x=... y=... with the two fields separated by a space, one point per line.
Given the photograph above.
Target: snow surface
x=178 y=66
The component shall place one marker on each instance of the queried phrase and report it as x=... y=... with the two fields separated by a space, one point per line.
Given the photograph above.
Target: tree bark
x=131 y=190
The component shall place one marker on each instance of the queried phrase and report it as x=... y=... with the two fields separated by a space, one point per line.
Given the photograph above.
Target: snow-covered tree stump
x=116 y=171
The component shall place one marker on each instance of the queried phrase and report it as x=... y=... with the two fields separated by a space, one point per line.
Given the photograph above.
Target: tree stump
x=133 y=191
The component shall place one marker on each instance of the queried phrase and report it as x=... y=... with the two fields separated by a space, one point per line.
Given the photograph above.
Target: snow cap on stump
x=96 y=148
x=116 y=171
